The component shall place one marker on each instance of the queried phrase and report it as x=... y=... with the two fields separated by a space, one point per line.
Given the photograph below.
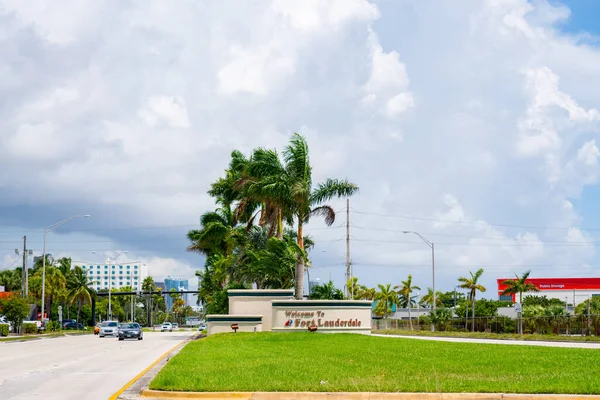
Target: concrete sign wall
x=257 y=302
x=350 y=316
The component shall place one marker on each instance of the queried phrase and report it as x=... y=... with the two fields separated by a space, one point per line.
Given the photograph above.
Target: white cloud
x=133 y=110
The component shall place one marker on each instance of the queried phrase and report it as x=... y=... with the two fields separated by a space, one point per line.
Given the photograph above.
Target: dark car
x=72 y=325
x=130 y=331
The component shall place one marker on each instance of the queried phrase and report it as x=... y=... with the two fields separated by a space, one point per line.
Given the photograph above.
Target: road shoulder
x=134 y=388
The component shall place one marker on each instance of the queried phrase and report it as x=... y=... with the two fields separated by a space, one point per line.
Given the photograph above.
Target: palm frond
x=324 y=211
x=332 y=188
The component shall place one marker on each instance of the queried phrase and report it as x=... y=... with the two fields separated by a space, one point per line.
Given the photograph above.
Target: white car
x=109 y=328
x=175 y=325
x=166 y=327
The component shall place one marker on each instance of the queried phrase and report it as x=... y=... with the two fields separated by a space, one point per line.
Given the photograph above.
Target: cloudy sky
x=471 y=122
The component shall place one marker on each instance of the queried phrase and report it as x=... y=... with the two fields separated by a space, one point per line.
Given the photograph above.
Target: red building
x=572 y=290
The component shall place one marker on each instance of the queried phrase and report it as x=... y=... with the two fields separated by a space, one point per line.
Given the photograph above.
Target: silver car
x=109 y=328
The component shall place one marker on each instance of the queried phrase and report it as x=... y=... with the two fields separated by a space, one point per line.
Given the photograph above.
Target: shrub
x=53 y=326
x=3 y=329
x=29 y=328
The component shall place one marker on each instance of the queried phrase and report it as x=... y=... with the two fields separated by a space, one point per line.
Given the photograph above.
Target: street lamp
x=109 y=262
x=431 y=245
x=46 y=229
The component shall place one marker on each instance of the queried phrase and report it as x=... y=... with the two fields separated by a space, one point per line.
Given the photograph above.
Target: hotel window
x=135 y=267
x=105 y=272
x=135 y=272
x=129 y=267
x=505 y=298
x=98 y=267
x=113 y=267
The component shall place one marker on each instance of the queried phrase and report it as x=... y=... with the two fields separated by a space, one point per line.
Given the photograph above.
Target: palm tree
x=326 y=291
x=387 y=298
x=367 y=293
x=519 y=285
x=473 y=286
x=306 y=201
x=404 y=292
x=79 y=288
x=428 y=298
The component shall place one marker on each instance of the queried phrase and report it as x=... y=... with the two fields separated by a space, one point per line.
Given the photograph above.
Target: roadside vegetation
x=317 y=363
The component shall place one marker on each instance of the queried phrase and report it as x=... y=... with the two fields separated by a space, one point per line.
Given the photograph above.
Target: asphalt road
x=78 y=367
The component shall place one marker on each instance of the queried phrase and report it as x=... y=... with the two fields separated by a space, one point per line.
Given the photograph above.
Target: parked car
x=166 y=326
x=175 y=325
x=3 y=320
x=130 y=330
x=109 y=328
x=73 y=325
x=202 y=326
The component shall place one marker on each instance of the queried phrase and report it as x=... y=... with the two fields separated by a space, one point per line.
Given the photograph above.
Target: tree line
x=70 y=288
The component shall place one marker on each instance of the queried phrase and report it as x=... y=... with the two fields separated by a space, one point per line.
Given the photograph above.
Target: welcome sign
x=352 y=316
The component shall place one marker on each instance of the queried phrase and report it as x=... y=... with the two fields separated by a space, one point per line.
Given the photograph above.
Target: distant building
x=177 y=284
x=570 y=290
x=115 y=276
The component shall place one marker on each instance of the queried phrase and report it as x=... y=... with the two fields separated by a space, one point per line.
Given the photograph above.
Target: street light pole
x=46 y=229
x=432 y=246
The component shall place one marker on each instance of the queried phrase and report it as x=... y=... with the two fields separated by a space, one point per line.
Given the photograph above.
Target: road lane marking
x=138 y=376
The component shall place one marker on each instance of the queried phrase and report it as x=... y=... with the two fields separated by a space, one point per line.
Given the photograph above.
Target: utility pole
x=24 y=274
x=348 y=273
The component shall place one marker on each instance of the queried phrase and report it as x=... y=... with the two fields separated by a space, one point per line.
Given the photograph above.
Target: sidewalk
x=573 y=345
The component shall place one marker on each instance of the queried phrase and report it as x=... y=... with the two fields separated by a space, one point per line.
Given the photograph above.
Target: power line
x=473 y=222
x=483 y=244
x=458 y=236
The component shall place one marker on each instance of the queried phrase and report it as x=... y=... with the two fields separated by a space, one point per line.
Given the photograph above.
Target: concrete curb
x=158 y=394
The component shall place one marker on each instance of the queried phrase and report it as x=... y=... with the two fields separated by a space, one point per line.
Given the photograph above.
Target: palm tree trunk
x=466 y=314
x=280 y=224
x=473 y=312
x=521 y=313
x=78 y=311
x=300 y=263
x=409 y=318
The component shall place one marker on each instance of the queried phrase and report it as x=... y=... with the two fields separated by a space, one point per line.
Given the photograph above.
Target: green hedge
x=29 y=327
x=3 y=329
x=53 y=326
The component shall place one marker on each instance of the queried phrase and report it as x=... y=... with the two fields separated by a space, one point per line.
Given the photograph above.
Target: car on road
x=175 y=325
x=73 y=325
x=166 y=327
x=131 y=330
x=109 y=328
x=202 y=326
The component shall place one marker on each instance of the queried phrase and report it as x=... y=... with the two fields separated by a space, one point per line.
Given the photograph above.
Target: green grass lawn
x=344 y=362
x=484 y=335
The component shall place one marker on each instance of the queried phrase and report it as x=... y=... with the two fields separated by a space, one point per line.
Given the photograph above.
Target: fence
x=557 y=325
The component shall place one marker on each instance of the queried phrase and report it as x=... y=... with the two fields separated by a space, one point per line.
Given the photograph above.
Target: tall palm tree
x=307 y=202
x=79 y=288
x=473 y=286
x=387 y=298
x=519 y=285
x=55 y=284
x=404 y=292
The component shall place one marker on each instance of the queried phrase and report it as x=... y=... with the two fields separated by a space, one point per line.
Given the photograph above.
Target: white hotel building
x=116 y=276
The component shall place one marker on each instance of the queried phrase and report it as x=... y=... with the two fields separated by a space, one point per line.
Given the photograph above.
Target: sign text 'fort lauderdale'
x=304 y=319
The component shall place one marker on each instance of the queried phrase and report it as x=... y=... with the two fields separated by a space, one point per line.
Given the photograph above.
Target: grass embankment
x=483 y=335
x=296 y=362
